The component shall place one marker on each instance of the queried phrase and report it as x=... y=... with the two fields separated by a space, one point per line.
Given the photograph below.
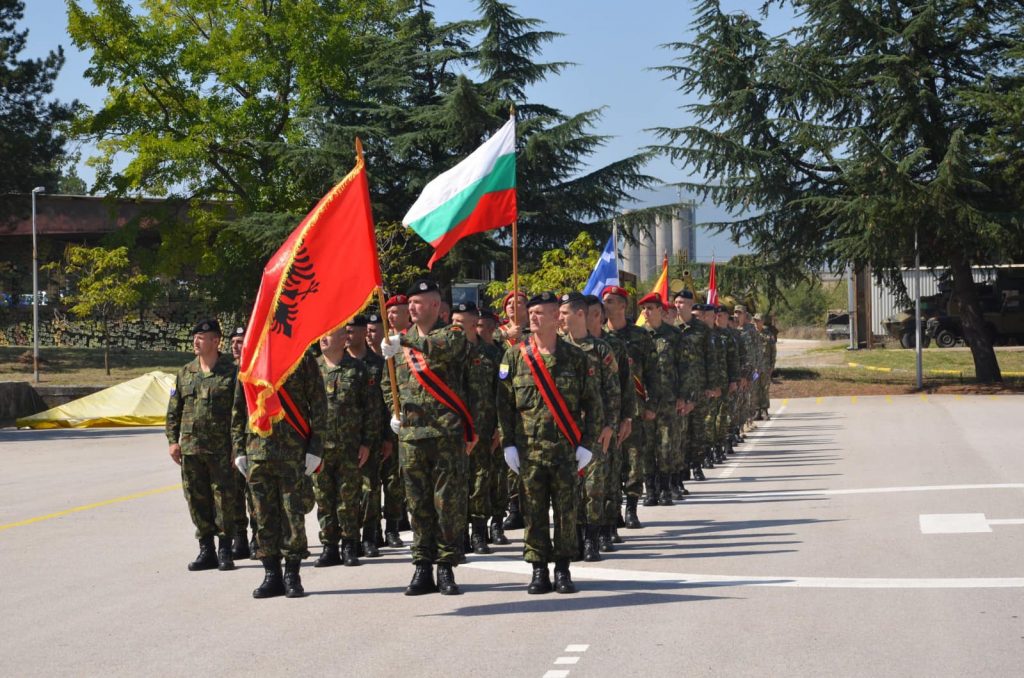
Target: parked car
x=1002 y=308
x=837 y=326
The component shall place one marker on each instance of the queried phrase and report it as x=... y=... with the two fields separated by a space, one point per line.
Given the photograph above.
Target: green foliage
x=563 y=269
x=31 y=127
x=104 y=282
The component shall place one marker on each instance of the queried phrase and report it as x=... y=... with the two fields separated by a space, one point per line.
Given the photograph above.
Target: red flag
x=323 y=274
x=662 y=285
x=712 y=285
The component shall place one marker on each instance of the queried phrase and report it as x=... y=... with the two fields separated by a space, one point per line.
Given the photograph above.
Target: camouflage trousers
x=277 y=489
x=762 y=386
x=392 y=484
x=680 y=440
x=546 y=486
x=244 y=517
x=639 y=453
x=499 y=483
x=369 y=497
x=666 y=436
x=338 y=489
x=209 y=485
x=435 y=471
x=718 y=423
x=482 y=469
x=700 y=429
x=617 y=469
x=596 y=488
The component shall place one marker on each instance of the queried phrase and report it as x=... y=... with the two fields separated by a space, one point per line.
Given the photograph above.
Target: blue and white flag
x=606 y=271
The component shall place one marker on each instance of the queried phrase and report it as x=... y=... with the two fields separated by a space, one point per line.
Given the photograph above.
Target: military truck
x=1002 y=307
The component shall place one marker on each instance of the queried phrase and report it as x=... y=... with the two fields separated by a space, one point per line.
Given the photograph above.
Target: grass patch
x=84 y=366
x=810 y=382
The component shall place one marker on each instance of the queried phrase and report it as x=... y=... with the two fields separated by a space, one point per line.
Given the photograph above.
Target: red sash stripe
x=549 y=391
x=640 y=389
x=292 y=416
x=436 y=387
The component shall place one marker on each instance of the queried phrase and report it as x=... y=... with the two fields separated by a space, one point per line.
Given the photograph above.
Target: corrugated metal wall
x=883 y=300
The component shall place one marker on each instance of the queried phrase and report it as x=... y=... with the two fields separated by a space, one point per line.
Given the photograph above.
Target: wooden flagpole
x=515 y=252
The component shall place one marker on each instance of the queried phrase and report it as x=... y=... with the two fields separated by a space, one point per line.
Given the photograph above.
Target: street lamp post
x=35 y=289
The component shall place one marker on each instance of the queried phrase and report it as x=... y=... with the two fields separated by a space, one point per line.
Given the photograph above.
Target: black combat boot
x=591 y=547
x=240 y=547
x=675 y=485
x=379 y=534
x=498 y=531
x=273 y=583
x=350 y=553
x=479 y=538
x=446 y=580
x=329 y=557
x=619 y=520
x=651 y=498
x=698 y=472
x=616 y=539
x=664 y=493
x=422 y=580
x=292 y=580
x=514 y=521
x=541 y=581
x=207 y=558
x=709 y=459
x=224 y=561
x=563 y=582
x=605 y=542
x=369 y=545
x=252 y=547
x=730 y=448
x=632 y=521
x=581 y=538
x=391 y=536
x=403 y=522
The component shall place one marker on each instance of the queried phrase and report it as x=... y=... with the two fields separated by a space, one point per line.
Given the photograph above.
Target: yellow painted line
x=1013 y=374
x=853 y=364
x=888 y=399
x=958 y=397
x=785 y=401
x=853 y=399
x=880 y=369
x=818 y=400
x=924 y=397
x=77 y=509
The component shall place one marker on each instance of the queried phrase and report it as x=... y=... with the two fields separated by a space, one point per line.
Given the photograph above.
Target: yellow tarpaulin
x=139 y=402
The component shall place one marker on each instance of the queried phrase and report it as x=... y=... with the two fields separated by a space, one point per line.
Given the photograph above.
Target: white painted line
x=753 y=496
x=577 y=648
x=556 y=674
x=567 y=660
x=686 y=579
x=1006 y=521
x=751 y=443
x=953 y=523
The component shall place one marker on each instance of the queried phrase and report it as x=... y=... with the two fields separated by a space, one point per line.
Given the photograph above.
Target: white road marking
x=687 y=579
x=752 y=442
x=577 y=648
x=961 y=523
x=556 y=674
x=754 y=496
x=567 y=660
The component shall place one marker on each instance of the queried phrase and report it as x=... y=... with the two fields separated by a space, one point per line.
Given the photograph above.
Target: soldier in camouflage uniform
x=538 y=448
x=572 y=315
x=730 y=347
x=693 y=382
x=596 y=319
x=434 y=452
x=770 y=341
x=667 y=349
x=486 y=326
x=717 y=383
x=276 y=467
x=243 y=497
x=353 y=431
x=396 y=518
x=753 y=351
x=370 y=506
x=515 y=328
x=198 y=421
x=482 y=382
x=644 y=373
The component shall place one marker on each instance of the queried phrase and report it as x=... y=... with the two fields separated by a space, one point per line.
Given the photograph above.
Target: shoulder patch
x=371 y=381
x=503 y=371
x=173 y=390
x=590 y=372
x=476 y=361
x=609 y=358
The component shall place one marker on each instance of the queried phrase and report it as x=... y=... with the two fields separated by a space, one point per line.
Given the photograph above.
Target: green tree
x=861 y=127
x=105 y=285
x=31 y=125
x=563 y=269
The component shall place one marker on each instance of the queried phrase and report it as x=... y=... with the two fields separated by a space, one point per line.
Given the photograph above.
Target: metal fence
x=884 y=301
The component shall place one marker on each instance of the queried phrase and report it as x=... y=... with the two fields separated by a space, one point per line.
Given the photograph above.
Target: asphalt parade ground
x=870 y=536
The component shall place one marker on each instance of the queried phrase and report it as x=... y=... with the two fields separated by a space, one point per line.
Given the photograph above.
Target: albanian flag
x=323 y=274
x=712 y=285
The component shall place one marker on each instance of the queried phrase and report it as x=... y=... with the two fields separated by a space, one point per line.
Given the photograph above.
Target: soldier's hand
x=605 y=439
x=385 y=449
x=313 y=463
x=495 y=440
x=709 y=394
x=242 y=464
x=732 y=387
x=364 y=455
x=680 y=406
x=649 y=415
x=625 y=429
x=175 y=452
x=471 y=444
x=513 y=332
x=583 y=457
x=396 y=424
x=391 y=346
x=512 y=458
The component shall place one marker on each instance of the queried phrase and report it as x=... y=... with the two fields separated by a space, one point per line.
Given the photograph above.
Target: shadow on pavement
x=25 y=435
x=637 y=593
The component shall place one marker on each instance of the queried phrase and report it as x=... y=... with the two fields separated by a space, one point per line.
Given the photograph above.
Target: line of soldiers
x=568 y=408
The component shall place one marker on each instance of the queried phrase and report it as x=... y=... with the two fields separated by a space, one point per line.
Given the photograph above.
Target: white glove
x=583 y=457
x=312 y=463
x=391 y=346
x=396 y=424
x=512 y=458
x=242 y=464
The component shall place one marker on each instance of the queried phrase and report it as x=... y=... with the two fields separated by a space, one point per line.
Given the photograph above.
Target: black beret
x=207 y=325
x=592 y=299
x=238 y=332
x=373 y=318
x=570 y=297
x=465 y=307
x=489 y=314
x=684 y=294
x=542 y=298
x=422 y=286
x=702 y=307
x=358 y=320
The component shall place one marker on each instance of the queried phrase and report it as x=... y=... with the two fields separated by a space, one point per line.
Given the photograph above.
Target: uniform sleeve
x=611 y=388
x=593 y=407
x=650 y=374
x=239 y=421
x=627 y=400
x=482 y=392
x=370 y=433
x=385 y=388
x=316 y=396
x=175 y=406
x=506 y=401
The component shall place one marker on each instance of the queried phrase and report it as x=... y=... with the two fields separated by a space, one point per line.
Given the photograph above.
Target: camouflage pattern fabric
x=435 y=471
x=210 y=493
x=276 y=486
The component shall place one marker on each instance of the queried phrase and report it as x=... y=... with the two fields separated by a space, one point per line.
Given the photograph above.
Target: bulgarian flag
x=324 y=273
x=661 y=287
x=712 y=285
x=477 y=195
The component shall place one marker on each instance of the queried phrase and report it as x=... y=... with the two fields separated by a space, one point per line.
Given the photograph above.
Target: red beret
x=508 y=297
x=616 y=290
x=651 y=298
x=396 y=300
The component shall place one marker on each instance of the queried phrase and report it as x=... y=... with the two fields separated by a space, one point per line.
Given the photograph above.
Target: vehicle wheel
x=907 y=340
x=945 y=339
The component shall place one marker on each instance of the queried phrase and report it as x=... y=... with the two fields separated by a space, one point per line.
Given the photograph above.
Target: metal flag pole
x=515 y=251
x=917 y=312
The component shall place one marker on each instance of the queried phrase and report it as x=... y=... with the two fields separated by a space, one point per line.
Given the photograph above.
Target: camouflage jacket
x=733 y=355
x=375 y=368
x=482 y=388
x=719 y=352
x=666 y=341
x=502 y=340
x=707 y=357
x=306 y=389
x=771 y=340
x=353 y=413
x=199 y=411
x=524 y=417
x=692 y=363
x=627 y=392
x=750 y=356
x=423 y=416
x=643 y=365
x=602 y=357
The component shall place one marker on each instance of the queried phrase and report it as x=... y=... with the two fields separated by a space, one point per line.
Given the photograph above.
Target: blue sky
x=613 y=43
